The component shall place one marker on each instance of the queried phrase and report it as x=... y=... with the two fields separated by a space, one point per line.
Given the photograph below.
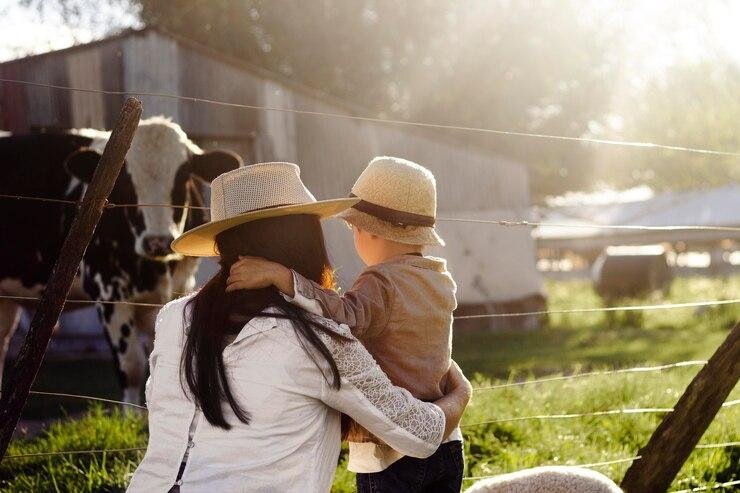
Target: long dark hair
x=295 y=241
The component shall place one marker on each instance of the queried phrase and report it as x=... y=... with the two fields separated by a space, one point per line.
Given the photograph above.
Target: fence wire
x=665 y=306
x=638 y=369
x=385 y=121
x=611 y=412
x=633 y=459
x=74 y=452
x=592 y=464
x=497 y=222
x=87 y=398
x=712 y=487
x=520 y=223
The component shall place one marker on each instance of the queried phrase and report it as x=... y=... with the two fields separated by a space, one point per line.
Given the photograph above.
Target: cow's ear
x=210 y=164
x=82 y=163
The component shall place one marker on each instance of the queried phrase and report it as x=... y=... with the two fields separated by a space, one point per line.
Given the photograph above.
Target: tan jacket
x=401 y=310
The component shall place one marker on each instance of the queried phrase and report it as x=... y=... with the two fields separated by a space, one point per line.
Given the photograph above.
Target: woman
x=246 y=391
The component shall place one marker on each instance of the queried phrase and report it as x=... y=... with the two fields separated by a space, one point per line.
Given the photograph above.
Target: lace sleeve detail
x=358 y=369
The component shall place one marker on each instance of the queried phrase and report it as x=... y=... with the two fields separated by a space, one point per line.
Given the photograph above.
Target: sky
x=26 y=31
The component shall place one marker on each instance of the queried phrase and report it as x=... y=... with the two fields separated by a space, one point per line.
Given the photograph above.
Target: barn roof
x=195 y=46
x=713 y=207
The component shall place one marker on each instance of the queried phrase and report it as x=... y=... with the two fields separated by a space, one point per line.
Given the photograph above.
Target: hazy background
x=657 y=71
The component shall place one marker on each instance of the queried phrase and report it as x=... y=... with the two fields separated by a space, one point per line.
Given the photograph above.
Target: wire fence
x=633 y=459
x=108 y=205
x=715 y=486
x=611 y=412
x=385 y=121
x=638 y=369
x=504 y=223
x=74 y=452
x=497 y=222
x=664 y=306
x=87 y=398
x=590 y=465
x=539 y=417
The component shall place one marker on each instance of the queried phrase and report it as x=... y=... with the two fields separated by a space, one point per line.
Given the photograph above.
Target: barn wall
x=85 y=69
x=491 y=263
x=27 y=107
x=279 y=127
x=151 y=64
x=203 y=77
x=94 y=66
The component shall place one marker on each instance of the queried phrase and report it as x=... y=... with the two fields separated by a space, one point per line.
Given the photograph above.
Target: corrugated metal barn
x=494 y=266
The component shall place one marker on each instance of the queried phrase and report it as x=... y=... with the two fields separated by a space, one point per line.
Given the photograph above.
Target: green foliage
x=571 y=343
x=528 y=66
x=525 y=65
x=560 y=67
x=693 y=105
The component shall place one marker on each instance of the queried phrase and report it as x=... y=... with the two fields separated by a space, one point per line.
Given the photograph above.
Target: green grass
x=584 y=340
x=570 y=343
x=98 y=429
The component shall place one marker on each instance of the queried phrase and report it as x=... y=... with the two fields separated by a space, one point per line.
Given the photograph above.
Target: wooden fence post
x=680 y=431
x=26 y=366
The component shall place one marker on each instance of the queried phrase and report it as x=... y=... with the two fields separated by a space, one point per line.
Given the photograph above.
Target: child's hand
x=257 y=273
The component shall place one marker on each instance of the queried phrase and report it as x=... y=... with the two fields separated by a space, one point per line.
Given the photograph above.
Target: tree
x=545 y=66
x=691 y=105
x=537 y=66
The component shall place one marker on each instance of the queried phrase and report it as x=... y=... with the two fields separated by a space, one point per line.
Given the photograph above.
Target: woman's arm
x=408 y=425
x=456 y=398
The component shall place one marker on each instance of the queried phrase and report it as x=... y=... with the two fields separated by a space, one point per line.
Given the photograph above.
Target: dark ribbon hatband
x=393 y=216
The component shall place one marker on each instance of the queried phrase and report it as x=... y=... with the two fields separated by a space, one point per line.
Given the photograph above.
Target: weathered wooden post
x=26 y=366
x=680 y=431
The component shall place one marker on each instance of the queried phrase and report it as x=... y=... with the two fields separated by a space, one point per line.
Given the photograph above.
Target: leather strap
x=393 y=216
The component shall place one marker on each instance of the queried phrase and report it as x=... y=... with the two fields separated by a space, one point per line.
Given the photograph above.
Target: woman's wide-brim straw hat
x=250 y=193
x=398 y=201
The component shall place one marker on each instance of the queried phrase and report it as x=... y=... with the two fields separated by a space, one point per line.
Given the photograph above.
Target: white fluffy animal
x=549 y=479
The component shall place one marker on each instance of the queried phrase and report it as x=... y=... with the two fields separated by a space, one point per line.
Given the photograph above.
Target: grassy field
x=571 y=343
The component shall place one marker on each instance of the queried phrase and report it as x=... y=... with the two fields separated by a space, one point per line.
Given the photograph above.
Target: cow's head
x=162 y=167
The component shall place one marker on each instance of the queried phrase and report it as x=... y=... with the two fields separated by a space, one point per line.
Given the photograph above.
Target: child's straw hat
x=398 y=201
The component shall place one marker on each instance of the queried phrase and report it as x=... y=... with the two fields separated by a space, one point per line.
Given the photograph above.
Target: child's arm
x=365 y=308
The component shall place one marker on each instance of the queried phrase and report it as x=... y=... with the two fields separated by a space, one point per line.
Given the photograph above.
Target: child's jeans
x=442 y=472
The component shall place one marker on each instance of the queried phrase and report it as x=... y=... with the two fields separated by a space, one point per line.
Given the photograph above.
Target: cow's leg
x=145 y=317
x=10 y=315
x=120 y=327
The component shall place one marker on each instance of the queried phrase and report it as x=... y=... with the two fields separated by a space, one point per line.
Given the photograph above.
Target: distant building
x=712 y=251
x=494 y=266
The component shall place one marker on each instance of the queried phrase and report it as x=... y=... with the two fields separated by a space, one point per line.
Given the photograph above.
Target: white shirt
x=292 y=442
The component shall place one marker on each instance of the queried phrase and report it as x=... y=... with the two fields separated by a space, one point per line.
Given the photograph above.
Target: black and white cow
x=129 y=257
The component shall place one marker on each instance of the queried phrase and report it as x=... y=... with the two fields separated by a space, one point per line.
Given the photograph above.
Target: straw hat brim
x=410 y=235
x=201 y=241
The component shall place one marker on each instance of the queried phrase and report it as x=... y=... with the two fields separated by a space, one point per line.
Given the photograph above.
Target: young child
x=400 y=307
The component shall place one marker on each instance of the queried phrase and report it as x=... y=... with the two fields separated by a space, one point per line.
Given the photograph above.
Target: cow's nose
x=157 y=246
